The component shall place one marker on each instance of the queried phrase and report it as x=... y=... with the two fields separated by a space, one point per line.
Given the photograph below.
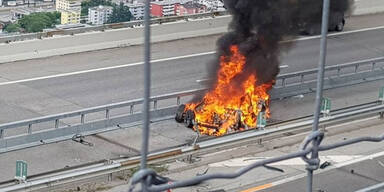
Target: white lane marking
x=105 y=68
x=245 y=161
x=165 y=59
x=202 y=80
x=283 y=66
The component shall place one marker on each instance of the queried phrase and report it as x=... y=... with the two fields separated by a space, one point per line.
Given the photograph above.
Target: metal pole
x=319 y=88
x=147 y=86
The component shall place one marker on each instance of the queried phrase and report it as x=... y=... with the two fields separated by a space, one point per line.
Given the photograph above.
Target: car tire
x=340 y=26
x=314 y=30
x=189 y=119
x=180 y=114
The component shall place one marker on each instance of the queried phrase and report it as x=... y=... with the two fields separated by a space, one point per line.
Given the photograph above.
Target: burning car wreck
x=234 y=102
x=232 y=121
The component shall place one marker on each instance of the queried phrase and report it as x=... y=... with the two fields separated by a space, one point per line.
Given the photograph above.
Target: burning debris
x=230 y=105
x=247 y=66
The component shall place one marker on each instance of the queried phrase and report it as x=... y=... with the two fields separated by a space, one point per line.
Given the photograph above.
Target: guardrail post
x=283 y=82
x=110 y=177
x=259 y=141
x=302 y=79
x=29 y=128
x=178 y=100
x=131 y=109
x=373 y=66
x=1 y=133
x=338 y=71
x=356 y=67
x=155 y=104
x=57 y=123
x=381 y=100
x=107 y=113
x=82 y=119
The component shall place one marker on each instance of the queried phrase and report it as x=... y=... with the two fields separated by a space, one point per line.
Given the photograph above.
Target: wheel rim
x=340 y=27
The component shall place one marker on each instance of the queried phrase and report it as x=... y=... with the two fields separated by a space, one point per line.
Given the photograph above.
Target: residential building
x=67 y=5
x=70 y=16
x=163 y=8
x=136 y=9
x=70 y=11
x=189 y=8
x=99 y=15
x=212 y=5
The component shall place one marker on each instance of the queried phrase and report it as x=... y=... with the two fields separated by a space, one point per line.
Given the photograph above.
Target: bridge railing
x=341 y=70
x=106 y=109
x=59 y=127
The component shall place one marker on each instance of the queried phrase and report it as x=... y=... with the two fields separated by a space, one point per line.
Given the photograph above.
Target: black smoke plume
x=258 y=26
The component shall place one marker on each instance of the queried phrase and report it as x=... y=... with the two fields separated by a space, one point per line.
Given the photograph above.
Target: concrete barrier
x=363 y=7
x=67 y=44
x=60 y=45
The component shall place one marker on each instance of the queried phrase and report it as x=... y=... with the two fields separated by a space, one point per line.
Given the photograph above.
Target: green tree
x=93 y=3
x=120 y=13
x=36 y=22
x=12 y=28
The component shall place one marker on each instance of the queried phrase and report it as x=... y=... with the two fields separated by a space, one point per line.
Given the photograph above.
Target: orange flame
x=233 y=100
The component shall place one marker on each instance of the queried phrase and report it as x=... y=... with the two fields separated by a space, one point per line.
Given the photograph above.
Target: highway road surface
x=44 y=86
x=58 y=84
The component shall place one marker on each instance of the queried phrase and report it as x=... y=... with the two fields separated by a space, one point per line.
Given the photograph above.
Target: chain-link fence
x=310 y=147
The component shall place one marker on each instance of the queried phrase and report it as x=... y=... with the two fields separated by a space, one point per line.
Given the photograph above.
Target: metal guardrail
x=335 y=76
x=58 y=130
x=114 y=166
x=131 y=24
x=338 y=70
